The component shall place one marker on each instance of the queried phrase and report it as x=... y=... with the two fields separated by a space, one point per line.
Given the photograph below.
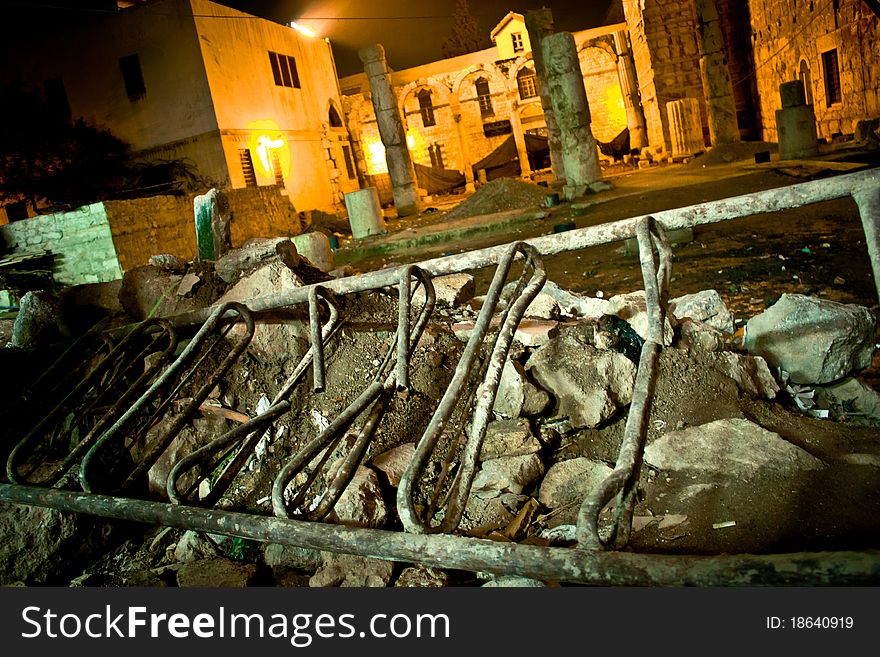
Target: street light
x=302 y=29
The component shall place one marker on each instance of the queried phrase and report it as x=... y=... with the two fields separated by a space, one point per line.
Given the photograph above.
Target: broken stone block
x=574 y=304
x=853 y=396
x=750 y=373
x=272 y=278
x=508 y=438
x=314 y=246
x=451 y=291
x=348 y=570
x=707 y=307
x=567 y=483
x=422 y=577
x=395 y=461
x=37 y=320
x=589 y=385
x=634 y=309
x=194 y=546
x=511 y=474
x=148 y=290
x=167 y=261
x=488 y=510
x=734 y=448
x=289 y=556
x=254 y=253
x=361 y=503
x=814 y=340
x=216 y=573
x=517 y=396
x=700 y=337
x=543 y=306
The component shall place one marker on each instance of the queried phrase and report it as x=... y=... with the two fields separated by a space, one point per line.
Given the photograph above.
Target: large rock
x=361 y=503
x=814 y=340
x=395 y=461
x=37 y=320
x=44 y=546
x=707 y=307
x=588 y=385
x=348 y=570
x=272 y=278
x=254 y=253
x=288 y=556
x=194 y=546
x=508 y=438
x=569 y=482
x=511 y=474
x=574 y=304
x=517 y=396
x=633 y=308
x=422 y=577
x=750 y=373
x=733 y=448
x=450 y=291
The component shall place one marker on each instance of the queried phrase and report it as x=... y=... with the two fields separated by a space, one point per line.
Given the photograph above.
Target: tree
x=45 y=155
x=466 y=36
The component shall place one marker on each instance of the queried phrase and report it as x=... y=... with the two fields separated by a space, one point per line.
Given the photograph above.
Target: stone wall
x=789 y=38
x=81 y=241
x=166 y=224
x=664 y=40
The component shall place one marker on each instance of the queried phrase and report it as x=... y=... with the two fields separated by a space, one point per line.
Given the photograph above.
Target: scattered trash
x=806 y=250
x=722 y=525
x=838 y=280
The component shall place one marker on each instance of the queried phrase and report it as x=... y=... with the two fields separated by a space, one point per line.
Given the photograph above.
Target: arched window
x=426 y=108
x=527 y=82
x=334 y=118
x=484 y=97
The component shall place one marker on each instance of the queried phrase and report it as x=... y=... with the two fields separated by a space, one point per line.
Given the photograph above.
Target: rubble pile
x=499 y=195
x=743 y=430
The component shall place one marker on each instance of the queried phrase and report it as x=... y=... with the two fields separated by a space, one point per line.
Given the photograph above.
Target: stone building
x=833 y=46
x=459 y=110
x=249 y=101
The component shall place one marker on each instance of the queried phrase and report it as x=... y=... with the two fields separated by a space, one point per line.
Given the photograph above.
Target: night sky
x=412 y=32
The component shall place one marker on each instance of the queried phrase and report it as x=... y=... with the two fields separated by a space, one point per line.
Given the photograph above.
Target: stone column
x=579 y=150
x=519 y=137
x=400 y=166
x=463 y=148
x=717 y=87
x=539 y=24
x=629 y=86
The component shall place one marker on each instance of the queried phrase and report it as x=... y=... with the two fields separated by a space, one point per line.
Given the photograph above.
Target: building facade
x=458 y=110
x=249 y=101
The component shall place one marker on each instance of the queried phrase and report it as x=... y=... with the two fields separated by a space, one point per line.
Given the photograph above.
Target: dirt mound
x=498 y=196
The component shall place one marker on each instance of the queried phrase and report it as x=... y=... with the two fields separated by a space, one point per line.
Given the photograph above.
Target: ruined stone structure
x=832 y=46
x=457 y=111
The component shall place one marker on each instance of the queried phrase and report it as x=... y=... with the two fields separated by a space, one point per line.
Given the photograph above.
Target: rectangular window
x=484 y=97
x=349 y=164
x=426 y=108
x=284 y=70
x=133 y=77
x=527 y=82
x=247 y=167
x=832 y=77
x=517 y=39
x=56 y=98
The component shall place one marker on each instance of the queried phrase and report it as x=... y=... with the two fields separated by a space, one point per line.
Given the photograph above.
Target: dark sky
x=412 y=32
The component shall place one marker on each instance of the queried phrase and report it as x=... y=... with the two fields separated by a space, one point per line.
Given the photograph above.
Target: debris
x=272 y=278
x=361 y=503
x=732 y=448
x=852 y=397
x=497 y=196
x=348 y=570
x=451 y=291
x=216 y=573
x=722 y=525
x=515 y=582
x=634 y=309
x=707 y=307
x=519 y=526
x=517 y=396
x=394 y=462
x=511 y=474
x=288 y=556
x=576 y=304
x=37 y=320
x=588 y=389
x=422 y=577
x=568 y=482
x=508 y=438
x=814 y=340
x=560 y=534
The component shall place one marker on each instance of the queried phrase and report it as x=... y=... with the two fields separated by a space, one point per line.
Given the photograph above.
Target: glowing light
x=302 y=29
x=376 y=158
x=266 y=138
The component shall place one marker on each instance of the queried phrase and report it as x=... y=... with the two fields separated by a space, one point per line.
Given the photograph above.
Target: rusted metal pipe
x=527 y=288
x=596 y=568
x=623 y=480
